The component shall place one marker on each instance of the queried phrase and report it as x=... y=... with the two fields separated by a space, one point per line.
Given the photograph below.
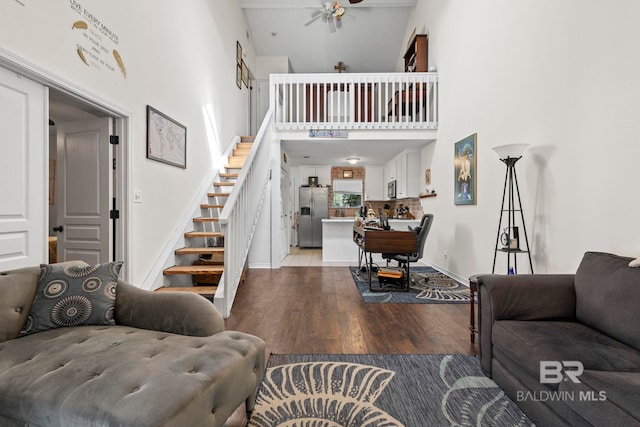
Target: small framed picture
x=347 y=174
x=427 y=176
x=239 y=76
x=245 y=74
x=238 y=53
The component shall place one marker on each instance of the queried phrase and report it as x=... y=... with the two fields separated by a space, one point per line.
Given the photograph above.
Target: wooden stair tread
x=199 y=251
x=205 y=206
x=205 y=219
x=224 y=184
x=194 y=269
x=200 y=290
x=229 y=175
x=217 y=194
x=203 y=234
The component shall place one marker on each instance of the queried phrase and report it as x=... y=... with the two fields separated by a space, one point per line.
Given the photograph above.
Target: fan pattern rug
x=430 y=286
x=381 y=390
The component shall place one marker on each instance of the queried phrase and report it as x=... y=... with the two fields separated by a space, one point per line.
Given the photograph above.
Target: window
x=347 y=193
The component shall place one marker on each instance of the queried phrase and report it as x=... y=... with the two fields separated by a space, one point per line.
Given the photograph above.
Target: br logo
x=554 y=372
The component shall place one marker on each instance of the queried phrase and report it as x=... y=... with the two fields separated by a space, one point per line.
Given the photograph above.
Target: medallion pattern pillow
x=73 y=296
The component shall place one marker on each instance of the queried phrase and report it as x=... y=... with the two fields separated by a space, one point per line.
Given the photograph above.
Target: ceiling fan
x=331 y=13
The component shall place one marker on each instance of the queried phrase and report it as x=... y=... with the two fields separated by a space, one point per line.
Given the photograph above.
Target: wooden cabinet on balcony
x=417 y=54
x=413 y=99
x=319 y=105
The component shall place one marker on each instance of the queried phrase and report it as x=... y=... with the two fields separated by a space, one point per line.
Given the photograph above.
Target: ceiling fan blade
x=314 y=19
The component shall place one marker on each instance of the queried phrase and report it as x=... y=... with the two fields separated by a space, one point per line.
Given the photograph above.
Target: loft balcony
x=349 y=101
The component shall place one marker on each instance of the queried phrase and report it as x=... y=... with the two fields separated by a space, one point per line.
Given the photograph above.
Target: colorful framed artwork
x=166 y=139
x=465 y=172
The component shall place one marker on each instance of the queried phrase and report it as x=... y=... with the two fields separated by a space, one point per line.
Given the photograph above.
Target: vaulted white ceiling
x=370 y=38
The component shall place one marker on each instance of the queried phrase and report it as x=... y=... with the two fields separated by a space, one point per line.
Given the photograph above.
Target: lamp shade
x=510 y=150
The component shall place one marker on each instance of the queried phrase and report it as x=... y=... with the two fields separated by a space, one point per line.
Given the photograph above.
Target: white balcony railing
x=355 y=101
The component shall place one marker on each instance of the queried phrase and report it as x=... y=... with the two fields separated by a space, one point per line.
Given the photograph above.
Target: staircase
x=206 y=241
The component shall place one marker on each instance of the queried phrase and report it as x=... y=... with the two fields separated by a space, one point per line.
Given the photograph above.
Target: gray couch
x=166 y=362
x=591 y=317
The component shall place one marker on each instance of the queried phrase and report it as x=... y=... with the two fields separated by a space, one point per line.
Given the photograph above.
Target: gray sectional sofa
x=167 y=361
x=566 y=348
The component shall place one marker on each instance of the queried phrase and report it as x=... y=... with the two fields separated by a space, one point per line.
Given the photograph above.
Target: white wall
x=267 y=65
x=179 y=57
x=561 y=76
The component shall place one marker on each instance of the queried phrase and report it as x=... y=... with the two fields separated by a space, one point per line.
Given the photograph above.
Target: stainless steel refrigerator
x=314 y=205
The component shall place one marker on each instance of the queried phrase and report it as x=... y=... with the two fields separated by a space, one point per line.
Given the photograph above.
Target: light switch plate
x=137 y=196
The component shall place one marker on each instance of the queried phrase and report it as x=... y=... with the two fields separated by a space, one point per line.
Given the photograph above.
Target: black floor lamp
x=508 y=240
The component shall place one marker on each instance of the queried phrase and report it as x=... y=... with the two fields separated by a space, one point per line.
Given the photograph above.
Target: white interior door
x=84 y=188
x=23 y=171
x=261 y=104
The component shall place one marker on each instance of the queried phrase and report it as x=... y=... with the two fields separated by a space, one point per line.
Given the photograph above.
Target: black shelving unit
x=511 y=195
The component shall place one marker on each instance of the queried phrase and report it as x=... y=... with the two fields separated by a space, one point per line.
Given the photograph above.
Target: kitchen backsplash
x=414 y=205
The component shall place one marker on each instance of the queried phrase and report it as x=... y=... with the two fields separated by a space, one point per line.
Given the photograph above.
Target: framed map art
x=166 y=139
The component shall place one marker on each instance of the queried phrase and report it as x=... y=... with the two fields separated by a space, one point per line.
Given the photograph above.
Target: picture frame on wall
x=239 y=76
x=238 y=53
x=166 y=139
x=245 y=74
x=347 y=174
x=465 y=170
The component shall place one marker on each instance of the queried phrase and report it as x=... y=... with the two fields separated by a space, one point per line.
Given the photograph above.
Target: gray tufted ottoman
x=167 y=362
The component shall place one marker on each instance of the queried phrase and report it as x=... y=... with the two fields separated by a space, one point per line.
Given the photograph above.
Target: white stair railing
x=355 y=101
x=240 y=214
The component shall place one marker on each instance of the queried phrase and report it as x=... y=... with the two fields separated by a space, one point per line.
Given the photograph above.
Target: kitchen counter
x=337 y=238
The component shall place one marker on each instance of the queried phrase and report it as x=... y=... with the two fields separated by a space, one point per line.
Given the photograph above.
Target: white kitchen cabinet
x=407 y=173
x=322 y=172
x=374 y=183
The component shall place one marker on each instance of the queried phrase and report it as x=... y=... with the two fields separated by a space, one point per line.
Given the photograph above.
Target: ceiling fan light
x=353 y=160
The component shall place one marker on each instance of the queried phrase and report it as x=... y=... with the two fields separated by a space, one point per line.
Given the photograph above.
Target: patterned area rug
x=429 y=287
x=381 y=390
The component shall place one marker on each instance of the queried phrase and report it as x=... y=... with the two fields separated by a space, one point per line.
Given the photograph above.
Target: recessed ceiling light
x=353 y=160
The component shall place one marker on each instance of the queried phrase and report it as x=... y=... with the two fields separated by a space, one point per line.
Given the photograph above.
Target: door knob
x=58 y=229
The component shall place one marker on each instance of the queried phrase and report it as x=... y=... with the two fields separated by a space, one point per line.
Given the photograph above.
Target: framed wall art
x=245 y=74
x=166 y=139
x=239 y=76
x=238 y=53
x=465 y=172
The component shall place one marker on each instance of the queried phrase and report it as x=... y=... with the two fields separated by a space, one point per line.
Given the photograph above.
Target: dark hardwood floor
x=318 y=310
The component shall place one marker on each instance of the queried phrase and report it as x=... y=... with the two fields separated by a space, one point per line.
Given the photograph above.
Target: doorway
x=84 y=207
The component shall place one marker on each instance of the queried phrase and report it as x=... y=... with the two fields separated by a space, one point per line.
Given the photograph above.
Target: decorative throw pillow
x=635 y=263
x=73 y=296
